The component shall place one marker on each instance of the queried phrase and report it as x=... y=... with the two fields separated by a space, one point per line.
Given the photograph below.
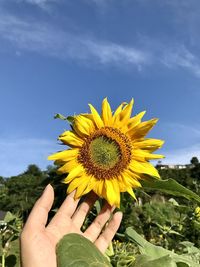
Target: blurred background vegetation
x=163 y=220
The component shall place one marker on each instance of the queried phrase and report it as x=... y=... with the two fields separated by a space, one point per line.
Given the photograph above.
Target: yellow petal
x=118 y=110
x=106 y=113
x=97 y=119
x=142 y=129
x=148 y=144
x=135 y=120
x=143 y=167
x=112 y=192
x=88 y=116
x=65 y=155
x=68 y=167
x=125 y=114
x=143 y=155
x=98 y=187
x=117 y=189
x=130 y=179
x=71 y=139
x=130 y=191
x=74 y=184
x=76 y=172
x=134 y=183
x=83 y=125
x=122 y=184
x=82 y=188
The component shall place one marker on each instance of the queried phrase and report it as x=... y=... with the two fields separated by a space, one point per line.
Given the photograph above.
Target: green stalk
x=3 y=259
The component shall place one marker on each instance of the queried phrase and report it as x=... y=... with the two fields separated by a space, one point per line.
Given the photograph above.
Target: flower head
x=108 y=153
x=197 y=213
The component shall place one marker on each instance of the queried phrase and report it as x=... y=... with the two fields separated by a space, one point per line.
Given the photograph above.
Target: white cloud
x=99 y=3
x=37 y=2
x=107 y=53
x=183 y=58
x=183 y=140
x=44 y=4
x=17 y=154
x=192 y=132
x=47 y=40
x=182 y=155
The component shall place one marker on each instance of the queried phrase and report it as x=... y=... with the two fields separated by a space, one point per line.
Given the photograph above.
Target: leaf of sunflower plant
x=9 y=217
x=74 y=250
x=156 y=254
x=169 y=186
x=145 y=261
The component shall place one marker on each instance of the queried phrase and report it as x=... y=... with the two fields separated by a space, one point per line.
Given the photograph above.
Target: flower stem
x=3 y=259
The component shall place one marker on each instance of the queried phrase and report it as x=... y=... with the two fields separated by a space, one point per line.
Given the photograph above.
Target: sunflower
x=107 y=154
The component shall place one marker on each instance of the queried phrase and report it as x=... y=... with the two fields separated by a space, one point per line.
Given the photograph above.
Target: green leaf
x=74 y=250
x=145 y=261
x=171 y=187
x=9 y=217
x=156 y=252
x=144 y=246
x=11 y=261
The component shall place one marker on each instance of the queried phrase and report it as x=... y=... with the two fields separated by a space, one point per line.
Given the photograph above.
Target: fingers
x=80 y=214
x=65 y=211
x=39 y=214
x=105 y=238
x=94 y=230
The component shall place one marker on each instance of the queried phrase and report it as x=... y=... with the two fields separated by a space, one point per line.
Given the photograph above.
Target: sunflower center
x=105 y=153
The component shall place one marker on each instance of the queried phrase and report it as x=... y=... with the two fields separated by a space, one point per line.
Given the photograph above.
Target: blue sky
x=56 y=56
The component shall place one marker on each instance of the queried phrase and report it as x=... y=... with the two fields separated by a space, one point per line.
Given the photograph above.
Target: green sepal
x=61 y=117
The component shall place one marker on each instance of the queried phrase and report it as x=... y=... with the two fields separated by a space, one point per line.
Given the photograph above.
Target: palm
x=40 y=241
x=48 y=239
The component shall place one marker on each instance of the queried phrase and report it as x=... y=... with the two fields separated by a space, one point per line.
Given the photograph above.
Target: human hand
x=38 y=241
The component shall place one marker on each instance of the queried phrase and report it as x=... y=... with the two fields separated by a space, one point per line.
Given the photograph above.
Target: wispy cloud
x=44 y=4
x=43 y=38
x=107 y=53
x=37 y=2
x=182 y=155
x=100 y=3
x=183 y=58
x=183 y=140
x=17 y=154
x=171 y=54
x=192 y=132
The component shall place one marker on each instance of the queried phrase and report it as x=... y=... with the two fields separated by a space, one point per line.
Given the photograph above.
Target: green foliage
x=163 y=222
x=188 y=177
x=173 y=224
x=74 y=250
x=194 y=161
x=124 y=253
x=157 y=256
x=170 y=187
x=19 y=193
x=10 y=229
